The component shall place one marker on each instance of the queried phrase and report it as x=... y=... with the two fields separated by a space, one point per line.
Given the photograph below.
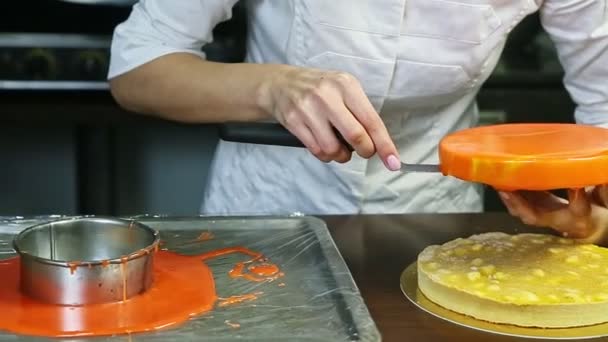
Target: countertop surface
x=378 y=248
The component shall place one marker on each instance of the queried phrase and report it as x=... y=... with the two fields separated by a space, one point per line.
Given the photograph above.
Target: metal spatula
x=276 y=134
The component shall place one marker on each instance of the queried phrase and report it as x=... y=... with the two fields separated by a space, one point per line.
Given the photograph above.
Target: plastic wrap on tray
x=315 y=299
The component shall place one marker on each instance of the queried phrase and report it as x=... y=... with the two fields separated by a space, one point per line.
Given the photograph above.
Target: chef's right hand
x=311 y=102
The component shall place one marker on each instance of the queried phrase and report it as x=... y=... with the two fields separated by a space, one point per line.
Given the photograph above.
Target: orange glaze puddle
x=158 y=308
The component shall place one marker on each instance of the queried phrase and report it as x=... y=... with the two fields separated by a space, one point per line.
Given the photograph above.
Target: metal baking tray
x=318 y=302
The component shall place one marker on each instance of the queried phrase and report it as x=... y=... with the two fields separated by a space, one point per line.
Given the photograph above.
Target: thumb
x=579 y=204
x=602 y=194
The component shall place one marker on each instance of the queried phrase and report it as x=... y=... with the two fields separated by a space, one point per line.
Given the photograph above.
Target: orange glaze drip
x=239 y=299
x=73 y=265
x=105 y=263
x=123 y=274
x=159 y=307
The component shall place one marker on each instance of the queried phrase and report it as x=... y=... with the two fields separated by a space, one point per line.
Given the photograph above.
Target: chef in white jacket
x=392 y=76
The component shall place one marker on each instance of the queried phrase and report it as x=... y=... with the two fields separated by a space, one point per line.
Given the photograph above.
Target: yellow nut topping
x=538 y=272
x=477 y=262
x=494 y=287
x=529 y=296
x=572 y=259
x=500 y=275
x=488 y=270
x=460 y=251
x=474 y=275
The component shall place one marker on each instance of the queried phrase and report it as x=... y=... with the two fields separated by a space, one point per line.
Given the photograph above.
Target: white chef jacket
x=420 y=62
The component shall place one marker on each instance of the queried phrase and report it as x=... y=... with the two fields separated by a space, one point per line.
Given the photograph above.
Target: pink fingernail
x=504 y=195
x=393 y=163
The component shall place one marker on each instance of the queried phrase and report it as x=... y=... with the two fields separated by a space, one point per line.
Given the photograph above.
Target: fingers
x=579 y=203
x=572 y=218
x=518 y=206
x=357 y=102
x=600 y=195
x=323 y=100
x=303 y=133
x=315 y=132
x=331 y=147
x=544 y=201
x=352 y=131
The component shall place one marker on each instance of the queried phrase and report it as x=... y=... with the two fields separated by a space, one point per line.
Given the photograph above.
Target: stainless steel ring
x=88 y=260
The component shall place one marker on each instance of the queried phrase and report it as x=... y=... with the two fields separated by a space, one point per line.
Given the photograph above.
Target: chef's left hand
x=583 y=216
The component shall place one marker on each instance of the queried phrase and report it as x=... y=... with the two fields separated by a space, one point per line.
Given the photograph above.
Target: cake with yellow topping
x=530 y=280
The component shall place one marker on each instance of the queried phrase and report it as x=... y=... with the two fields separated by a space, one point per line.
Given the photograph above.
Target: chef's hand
x=583 y=216
x=310 y=103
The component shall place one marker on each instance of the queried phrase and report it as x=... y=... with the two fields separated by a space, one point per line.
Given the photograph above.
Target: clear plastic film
x=316 y=298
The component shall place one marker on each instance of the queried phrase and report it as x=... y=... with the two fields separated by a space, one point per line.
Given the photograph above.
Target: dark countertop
x=378 y=248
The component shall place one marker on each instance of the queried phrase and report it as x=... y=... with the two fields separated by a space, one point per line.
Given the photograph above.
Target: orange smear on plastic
x=239 y=299
x=264 y=270
x=205 y=236
x=232 y=325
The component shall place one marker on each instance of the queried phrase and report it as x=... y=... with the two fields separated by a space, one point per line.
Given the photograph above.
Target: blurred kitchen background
x=66 y=147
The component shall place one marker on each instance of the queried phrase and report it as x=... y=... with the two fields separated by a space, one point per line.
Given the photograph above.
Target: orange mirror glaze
x=528 y=156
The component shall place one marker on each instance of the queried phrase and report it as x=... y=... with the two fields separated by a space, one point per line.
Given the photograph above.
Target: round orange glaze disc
x=528 y=156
